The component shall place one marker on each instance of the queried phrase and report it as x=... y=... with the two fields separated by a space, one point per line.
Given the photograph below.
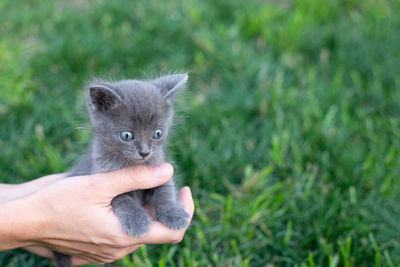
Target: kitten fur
x=140 y=107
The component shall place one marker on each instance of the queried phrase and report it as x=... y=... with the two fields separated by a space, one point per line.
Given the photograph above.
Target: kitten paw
x=137 y=223
x=175 y=218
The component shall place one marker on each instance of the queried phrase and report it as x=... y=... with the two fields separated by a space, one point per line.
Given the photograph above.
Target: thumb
x=138 y=177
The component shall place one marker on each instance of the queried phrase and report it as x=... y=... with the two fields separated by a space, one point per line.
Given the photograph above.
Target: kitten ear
x=102 y=97
x=170 y=85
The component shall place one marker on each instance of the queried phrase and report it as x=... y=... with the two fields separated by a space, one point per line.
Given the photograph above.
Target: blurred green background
x=291 y=142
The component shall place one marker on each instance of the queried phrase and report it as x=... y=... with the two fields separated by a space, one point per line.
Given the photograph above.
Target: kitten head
x=131 y=119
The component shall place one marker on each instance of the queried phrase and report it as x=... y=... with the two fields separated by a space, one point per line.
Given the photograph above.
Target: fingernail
x=162 y=170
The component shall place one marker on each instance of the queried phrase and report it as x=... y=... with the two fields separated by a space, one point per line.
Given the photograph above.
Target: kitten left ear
x=170 y=85
x=102 y=97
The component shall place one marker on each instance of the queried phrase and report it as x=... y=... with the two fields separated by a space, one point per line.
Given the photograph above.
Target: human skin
x=74 y=216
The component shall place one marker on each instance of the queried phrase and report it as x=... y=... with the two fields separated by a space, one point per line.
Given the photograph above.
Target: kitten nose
x=144 y=154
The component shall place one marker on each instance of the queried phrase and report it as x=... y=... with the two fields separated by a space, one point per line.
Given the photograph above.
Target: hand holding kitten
x=74 y=215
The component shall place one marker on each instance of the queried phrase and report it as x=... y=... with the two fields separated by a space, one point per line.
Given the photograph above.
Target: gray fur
x=140 y=107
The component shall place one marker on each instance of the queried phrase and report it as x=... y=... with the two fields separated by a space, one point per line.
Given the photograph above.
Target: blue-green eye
x=157 y=134
x=126 y=136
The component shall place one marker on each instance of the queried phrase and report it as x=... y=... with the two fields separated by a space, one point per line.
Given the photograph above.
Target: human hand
x=61 y=222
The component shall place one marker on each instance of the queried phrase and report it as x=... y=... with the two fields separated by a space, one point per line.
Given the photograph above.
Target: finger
x=160 y=233
x=85 y=258
x=108 y=255
x=41 y=251
x=129 y=179
x=119 y=254
x=78 y=261
x=186 y=200
x=48 y=253
x=132 y=249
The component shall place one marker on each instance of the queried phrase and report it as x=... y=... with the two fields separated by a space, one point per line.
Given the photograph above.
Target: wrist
x=10 y=192
x=4 y=187
x=19 y=223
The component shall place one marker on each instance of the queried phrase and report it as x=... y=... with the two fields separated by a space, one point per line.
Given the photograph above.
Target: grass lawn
x=291 y=142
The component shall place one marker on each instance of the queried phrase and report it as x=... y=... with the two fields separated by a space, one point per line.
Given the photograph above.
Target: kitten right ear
x=102 y=98
x=170 y=85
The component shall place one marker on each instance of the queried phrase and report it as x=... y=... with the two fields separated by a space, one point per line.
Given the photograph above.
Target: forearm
x=6 y=192
x=18 y=224
x=10 y=192
x=5 y=187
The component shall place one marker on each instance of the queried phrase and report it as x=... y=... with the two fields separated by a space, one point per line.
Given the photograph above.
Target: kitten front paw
x=175 y=218
x=137 y=223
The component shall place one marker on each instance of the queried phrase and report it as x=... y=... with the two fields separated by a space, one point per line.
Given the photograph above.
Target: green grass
x=291 y=142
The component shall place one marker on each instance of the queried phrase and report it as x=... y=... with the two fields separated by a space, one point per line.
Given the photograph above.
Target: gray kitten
x=131 y=120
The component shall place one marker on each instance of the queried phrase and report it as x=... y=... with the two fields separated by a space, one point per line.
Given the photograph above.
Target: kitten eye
x=157 y=134
x=126 y=136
